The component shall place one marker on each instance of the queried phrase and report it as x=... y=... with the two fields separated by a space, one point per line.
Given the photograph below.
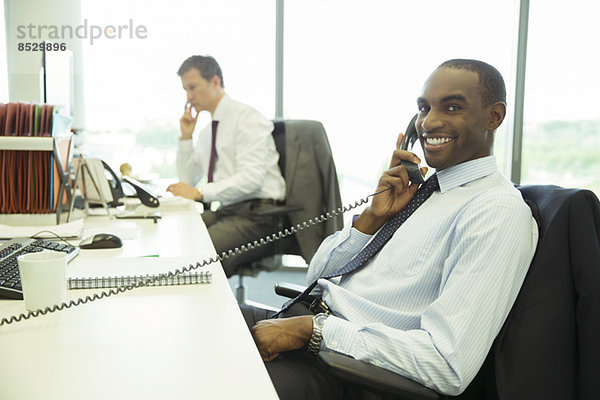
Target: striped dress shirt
x=429 y=305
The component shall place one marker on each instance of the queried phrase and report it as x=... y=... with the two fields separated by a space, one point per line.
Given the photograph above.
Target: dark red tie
x=213 y=151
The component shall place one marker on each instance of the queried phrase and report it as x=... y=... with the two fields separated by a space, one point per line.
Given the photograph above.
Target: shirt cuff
x=208 y=192
x=356 y=240
x=339 y=335
x=186 y=145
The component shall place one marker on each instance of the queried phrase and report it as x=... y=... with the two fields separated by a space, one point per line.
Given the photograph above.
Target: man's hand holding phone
x=396 y=191
x=188 y=121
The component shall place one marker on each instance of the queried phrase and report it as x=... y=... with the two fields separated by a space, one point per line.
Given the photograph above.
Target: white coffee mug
x=43 y=279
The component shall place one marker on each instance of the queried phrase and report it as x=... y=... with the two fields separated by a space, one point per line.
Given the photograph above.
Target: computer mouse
x=101 y=241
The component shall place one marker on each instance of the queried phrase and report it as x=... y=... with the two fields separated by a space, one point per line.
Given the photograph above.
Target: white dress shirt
x=246 y=167
x=429 y=305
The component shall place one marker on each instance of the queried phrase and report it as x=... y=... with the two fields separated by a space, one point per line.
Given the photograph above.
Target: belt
x=316 y=305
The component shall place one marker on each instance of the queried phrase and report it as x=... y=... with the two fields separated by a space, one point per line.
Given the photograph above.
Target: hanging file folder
x=35 y=152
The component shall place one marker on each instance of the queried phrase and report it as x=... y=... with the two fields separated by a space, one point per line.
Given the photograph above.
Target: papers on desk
x=97 y=273
x=135 y=210
x=68 y=230
x=167 y=202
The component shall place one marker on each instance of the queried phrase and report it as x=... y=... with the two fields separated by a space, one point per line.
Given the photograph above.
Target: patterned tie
x=213 y=152
x=380 y=239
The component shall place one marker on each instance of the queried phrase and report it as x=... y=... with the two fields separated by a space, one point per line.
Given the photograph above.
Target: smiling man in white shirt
x=237 y=154
x=429 y=302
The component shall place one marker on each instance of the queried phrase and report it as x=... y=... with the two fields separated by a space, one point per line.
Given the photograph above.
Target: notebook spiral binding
x=224 y=255
x=116 y=281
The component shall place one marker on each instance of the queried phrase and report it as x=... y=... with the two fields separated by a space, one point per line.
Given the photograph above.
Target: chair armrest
x=288 y=289
x=373 y=378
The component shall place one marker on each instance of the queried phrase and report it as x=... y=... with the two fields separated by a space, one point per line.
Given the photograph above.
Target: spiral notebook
x=142 y=271
x=144 y=280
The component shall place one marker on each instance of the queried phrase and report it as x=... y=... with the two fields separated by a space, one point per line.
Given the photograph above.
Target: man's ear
x=215 y=81
x=496 y=114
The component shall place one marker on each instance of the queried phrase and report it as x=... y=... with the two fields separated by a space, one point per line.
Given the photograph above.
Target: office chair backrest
x=549 y=346
x=306 y=163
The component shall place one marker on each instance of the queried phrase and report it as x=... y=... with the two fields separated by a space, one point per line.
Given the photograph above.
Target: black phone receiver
x=145 y=197
x=115 y=186
x=410 y=137
x=116 y=189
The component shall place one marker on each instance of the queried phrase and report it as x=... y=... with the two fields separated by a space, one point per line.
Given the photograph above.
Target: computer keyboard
x=10 y=281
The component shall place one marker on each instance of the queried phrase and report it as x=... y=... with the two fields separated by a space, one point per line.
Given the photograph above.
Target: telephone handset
x=116 y=187
x=145 y=197
x=410 y=137
x=101 y=184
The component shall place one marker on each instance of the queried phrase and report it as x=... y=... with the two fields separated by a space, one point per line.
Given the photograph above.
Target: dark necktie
x=380 y=239
x=213 y=152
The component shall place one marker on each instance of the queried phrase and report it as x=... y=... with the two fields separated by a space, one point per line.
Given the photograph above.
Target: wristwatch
x=314 y=344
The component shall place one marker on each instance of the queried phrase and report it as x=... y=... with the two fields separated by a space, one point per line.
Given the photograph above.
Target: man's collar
x=221 y=107
x=466 y=172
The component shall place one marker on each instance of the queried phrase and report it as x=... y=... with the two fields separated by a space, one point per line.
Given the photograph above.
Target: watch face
x=319 y=320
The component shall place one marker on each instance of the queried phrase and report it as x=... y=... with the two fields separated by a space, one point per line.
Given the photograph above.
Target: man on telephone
x=237 y=155
x=423 y=280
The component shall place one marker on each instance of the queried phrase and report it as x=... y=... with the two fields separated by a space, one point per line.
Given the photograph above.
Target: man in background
x=235 y=153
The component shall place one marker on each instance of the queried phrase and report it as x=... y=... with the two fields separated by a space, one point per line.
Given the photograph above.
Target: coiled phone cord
x=224 y=255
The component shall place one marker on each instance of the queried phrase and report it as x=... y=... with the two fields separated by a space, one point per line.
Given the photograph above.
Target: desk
x=171 y=342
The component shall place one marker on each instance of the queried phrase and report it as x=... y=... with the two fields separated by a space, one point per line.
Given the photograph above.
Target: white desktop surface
x=170 y=342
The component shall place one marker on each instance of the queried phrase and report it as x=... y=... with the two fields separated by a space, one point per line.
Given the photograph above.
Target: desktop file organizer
x=35 y=151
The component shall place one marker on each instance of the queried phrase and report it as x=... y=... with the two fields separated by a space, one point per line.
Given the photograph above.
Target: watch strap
x=316 y=338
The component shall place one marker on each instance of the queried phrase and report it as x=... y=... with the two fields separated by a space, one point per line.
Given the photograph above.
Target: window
x=133 y=95
x=561 y=132
x=359 y=66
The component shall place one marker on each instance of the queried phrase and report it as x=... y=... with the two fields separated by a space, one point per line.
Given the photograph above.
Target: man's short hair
x=206 y=65
x=490 y=80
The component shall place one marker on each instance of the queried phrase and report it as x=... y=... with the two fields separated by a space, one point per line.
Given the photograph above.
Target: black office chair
x=548 y=347
x=306 y=163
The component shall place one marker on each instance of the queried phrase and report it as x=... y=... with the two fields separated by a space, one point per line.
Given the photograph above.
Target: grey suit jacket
x=311 y=182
